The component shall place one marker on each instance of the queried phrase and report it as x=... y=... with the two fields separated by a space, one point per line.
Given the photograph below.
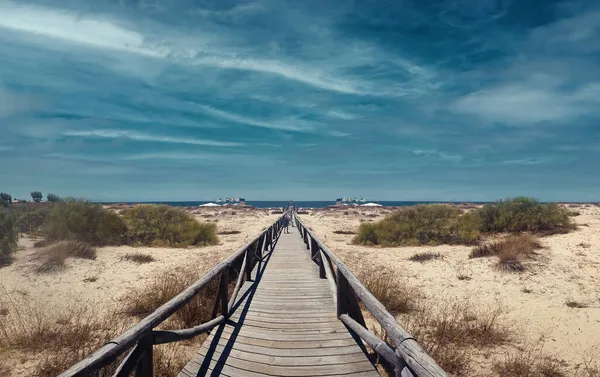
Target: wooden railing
x=405 y=355
x=140 y=339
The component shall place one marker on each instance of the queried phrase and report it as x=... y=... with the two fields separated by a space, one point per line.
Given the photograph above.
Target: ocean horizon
x=284 y=203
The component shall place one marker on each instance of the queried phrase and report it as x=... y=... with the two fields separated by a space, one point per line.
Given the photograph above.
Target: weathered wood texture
x=410 y=356
x=284 y=324
x=142 y=334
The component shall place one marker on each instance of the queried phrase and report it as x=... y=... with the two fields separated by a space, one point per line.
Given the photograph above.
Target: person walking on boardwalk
x=286 y=223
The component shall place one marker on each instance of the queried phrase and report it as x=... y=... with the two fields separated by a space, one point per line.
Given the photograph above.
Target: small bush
x=421 y=225
x=512 y=251
x=389 y=289
x=83 y=221
x=425 y=257
x=139 y=258
x=31 y=221
x=523 y=244
x=53 y=198
x=524 y=214
x=161 y=225
x=8 y=237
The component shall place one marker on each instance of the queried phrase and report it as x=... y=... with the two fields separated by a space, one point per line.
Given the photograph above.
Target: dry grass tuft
x=56 y=340
x=228 y=232
x=425 y=257
x=529 y=363
x=511 y=252
x=449 y=332
x=523 y=243
x=139 y=258
x=54 y=256
x=168 y=360
x=576 y=304
x=389 y=289
x=344 y=232
x=166 y=286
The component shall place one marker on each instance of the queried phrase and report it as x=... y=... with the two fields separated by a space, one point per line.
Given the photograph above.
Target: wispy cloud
x=341 y=115
x=545 y=78
x=437 y=155
x=530 y=103
x=12 y=103
x=527 y=161
x=289 y=124
x=174 y=156
x=140 y=136
x=72 y=27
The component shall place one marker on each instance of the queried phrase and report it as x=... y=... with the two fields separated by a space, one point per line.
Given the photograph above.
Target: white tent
x=371 y=205
x=209 y=205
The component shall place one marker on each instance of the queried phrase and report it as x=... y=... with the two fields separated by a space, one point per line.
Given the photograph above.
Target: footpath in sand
x=534 y=302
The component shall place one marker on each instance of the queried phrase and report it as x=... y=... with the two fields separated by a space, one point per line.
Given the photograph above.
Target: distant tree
x=37 y=196
x=53 y=198
x=5 y=197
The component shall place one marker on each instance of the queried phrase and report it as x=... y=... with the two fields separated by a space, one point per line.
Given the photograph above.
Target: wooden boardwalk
x=291 y=317
x=284 y=324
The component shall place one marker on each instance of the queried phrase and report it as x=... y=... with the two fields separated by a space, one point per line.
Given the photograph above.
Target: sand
x=533 y=302
x=106 y=280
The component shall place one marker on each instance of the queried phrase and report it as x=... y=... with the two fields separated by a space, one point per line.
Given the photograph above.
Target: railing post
x=224 y=291
x=250 y=254
x=314 y=248
x=342 y=286
x=145 y=366
x=321 y=267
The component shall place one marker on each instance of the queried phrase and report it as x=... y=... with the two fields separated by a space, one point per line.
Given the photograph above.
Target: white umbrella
x=371 y=205
x=209 y=205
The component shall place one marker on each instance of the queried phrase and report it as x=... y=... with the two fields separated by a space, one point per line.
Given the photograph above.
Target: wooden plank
x=290 y=337
x=284 y=324
x=254 y=316
x=280 y=351
x=293 y=371
x=230 y=371
x=292 y=360
x=292 y=344
x=277 y=325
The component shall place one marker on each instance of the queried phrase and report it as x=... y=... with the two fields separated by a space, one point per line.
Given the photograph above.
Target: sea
x=284 y=203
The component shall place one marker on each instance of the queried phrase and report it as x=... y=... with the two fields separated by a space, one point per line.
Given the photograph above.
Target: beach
x=535 y=304
x=106 y=283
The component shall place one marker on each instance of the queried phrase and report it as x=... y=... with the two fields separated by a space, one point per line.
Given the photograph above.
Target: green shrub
x=524 y=214
x=53 y=198
x=31 y=221
x=8 y=236
x=161 y=225
x=84 y=221
x=421 y=225
x=37 y=196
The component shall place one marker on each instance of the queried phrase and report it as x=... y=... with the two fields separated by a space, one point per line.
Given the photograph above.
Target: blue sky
x=273 y=99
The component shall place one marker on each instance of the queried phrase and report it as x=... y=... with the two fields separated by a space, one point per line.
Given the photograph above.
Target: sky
x=141 y=100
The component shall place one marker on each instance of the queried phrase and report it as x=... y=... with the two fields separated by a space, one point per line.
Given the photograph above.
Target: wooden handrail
x=142 y=336
x=412 y=360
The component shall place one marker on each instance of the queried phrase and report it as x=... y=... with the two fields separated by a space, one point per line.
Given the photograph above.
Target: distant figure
x=286 y=224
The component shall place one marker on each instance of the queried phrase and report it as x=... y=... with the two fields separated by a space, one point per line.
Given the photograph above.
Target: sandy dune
x=534 y=302
x=107 y=279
